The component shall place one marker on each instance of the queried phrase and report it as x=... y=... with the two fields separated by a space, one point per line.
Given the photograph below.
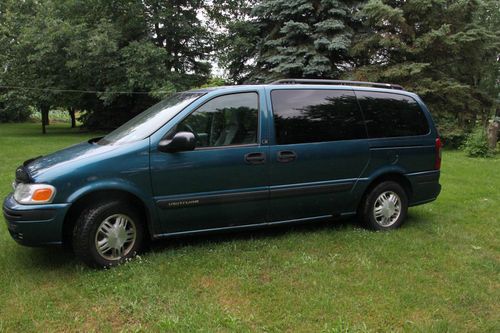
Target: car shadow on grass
x=60 y=258
x=50 y=258
x=260 y=233
x=413 y=220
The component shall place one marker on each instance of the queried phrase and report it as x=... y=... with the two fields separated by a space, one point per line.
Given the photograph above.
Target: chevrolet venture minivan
x=229 y=158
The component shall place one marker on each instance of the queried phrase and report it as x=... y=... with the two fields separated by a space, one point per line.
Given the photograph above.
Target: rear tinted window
x=302 y=116
x=390 y=115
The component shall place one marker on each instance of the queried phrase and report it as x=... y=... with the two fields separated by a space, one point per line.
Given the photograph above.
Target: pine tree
x=440 y=49
x=295 y=38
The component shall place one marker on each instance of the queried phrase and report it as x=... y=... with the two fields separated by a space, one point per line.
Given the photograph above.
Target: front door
x=224 y=181
x=319 y=150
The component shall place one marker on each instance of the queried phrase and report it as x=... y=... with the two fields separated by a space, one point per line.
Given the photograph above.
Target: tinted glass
x=390 y=115
x=150 y=120
x=223 y=121
x=302 y=116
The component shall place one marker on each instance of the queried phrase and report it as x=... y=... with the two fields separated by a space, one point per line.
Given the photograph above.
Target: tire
x=107 y=234
x=385 y=207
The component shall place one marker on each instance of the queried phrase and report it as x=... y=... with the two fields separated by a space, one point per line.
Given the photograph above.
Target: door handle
x=255 y=158
x=286 y=156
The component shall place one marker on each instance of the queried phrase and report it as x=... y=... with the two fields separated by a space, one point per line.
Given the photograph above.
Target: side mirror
x=182 y=141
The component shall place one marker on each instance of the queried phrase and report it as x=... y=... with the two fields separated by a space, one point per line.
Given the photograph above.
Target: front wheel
x=107 y=234
x=385 y=207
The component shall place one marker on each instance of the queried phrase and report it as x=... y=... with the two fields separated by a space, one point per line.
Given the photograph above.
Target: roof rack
x=339 y=82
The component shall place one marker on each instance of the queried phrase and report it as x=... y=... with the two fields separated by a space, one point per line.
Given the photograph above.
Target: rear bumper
x=425 y=187
x=34 y=225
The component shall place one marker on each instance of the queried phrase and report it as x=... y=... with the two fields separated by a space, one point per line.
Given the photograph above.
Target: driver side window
x=224 y=121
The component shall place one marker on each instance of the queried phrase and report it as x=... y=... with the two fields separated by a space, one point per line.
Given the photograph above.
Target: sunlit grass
x=439 y=273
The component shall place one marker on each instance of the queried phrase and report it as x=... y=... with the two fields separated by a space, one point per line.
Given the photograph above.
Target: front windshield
x=150 y=120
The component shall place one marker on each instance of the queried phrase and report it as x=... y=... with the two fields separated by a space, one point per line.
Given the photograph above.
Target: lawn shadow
x=58 y=258
x=50 y=258
x=268 y=232
x=274 y=232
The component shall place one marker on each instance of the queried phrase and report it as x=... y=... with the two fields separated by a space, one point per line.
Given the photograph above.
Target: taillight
x=439 y=145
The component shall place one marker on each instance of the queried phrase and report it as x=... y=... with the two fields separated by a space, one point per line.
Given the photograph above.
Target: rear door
x=224 y=181
x=319 y=149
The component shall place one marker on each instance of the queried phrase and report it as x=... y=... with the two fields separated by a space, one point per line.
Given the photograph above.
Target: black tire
x=367 y=209
x=84 y=233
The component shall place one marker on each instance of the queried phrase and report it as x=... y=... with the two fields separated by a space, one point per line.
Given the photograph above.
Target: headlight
x=31 y=194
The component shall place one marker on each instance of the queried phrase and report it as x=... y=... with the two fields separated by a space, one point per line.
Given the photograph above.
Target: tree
x=239 y=38
x=437 y=48
x=292 y=38
x=112 y=62
x=13 y=17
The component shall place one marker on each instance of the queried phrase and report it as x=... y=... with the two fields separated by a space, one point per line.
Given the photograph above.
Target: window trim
x=367 y=137
x=227 y=146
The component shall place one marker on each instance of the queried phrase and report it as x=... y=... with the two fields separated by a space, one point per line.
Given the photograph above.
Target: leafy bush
x=8 y=115
x=13 y=110
x=452 y=134
x=476 y=144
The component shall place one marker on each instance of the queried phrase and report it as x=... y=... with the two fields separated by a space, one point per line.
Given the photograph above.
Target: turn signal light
x=43 y=194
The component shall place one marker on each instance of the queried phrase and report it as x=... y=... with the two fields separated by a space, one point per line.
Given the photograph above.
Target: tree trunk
x=493 y=134
x=73 y=117
x=45 y=117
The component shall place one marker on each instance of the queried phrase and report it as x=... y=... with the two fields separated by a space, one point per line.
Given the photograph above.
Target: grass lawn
x=440 y=272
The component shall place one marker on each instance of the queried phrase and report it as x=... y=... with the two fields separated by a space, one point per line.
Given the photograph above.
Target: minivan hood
x=71 y=154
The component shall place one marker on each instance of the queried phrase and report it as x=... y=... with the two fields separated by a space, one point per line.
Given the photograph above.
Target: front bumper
x=35 y=225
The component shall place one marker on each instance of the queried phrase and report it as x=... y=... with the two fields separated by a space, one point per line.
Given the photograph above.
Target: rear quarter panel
x=410 y=156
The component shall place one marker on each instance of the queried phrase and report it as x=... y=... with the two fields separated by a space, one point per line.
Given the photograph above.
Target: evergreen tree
x=305 y=38
x=441 y=49
x=292 y=38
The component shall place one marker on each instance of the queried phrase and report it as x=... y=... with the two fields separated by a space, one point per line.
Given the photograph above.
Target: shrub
x=476 y=144
x=13 y=109
x=452 y=134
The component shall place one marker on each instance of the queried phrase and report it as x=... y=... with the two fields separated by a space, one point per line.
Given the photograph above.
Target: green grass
x=439 y=273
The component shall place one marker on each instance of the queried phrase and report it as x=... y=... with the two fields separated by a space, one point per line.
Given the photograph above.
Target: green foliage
x=13 y=108
x=148 y=48
x=237 y=48
x=303 y=38
x=214 y=82
x=446 y=51
x=476 y=144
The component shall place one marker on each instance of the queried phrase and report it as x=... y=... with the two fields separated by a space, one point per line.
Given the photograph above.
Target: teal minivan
x=228 y=158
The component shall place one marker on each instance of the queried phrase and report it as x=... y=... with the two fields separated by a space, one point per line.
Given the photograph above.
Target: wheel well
x=77 y=207
x=396 y=177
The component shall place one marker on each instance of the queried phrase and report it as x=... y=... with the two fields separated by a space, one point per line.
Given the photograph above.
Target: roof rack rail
x=339 y=82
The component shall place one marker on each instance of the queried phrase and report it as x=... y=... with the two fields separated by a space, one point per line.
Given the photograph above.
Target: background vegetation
x=110 y=59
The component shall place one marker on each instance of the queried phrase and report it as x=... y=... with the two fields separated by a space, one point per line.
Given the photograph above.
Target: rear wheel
x=385 y=207
x=107 y=234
